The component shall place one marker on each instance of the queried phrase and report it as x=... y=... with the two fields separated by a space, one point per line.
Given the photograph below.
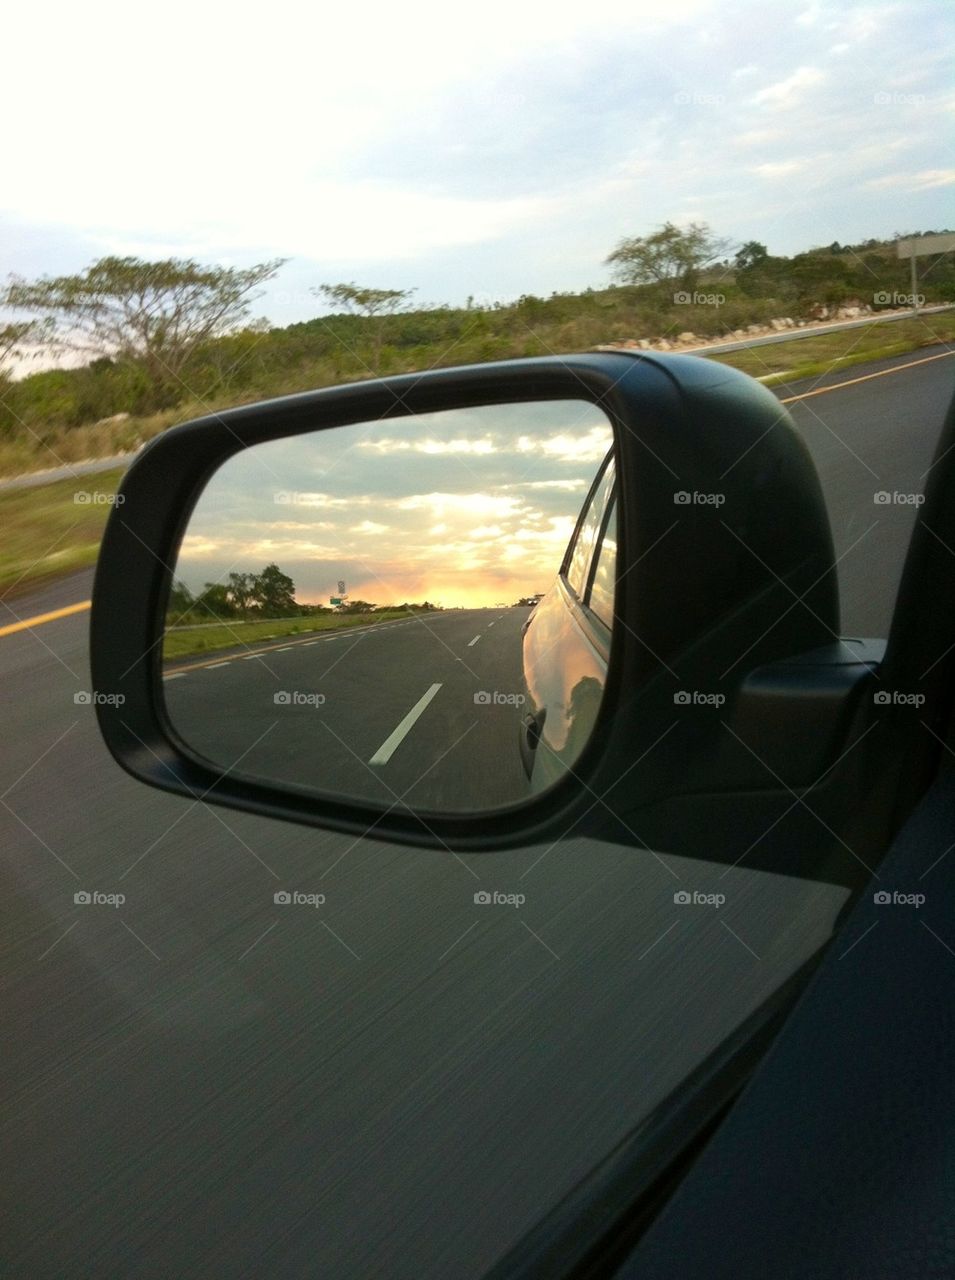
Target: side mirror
x=460 y=608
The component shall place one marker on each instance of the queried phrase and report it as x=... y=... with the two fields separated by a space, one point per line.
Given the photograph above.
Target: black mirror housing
x=725 y=564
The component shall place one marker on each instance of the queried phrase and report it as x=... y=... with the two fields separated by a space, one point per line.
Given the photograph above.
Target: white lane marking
x=176 y=675
x=214 y=666
x=491 y=624
x=250 y=657
x=283 y=650
x=474 y=641
x=394 y=740
x=308 y=644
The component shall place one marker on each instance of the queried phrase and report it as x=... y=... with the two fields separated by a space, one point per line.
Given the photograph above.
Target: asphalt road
x=390 y=713
x=395 y=1081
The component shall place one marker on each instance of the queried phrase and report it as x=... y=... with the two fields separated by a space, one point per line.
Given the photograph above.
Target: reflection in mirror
x=377 y=612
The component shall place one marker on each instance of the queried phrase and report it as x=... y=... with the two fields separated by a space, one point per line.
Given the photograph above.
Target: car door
x=566 y=642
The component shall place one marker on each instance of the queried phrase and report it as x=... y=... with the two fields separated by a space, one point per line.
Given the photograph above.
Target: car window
x=580 y=557
x=604 y=581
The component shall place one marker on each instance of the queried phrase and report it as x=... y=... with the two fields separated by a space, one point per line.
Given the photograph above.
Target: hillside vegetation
x=111 y=405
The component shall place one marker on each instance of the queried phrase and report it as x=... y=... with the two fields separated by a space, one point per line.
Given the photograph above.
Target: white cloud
x=924 y=181
x=785 y=92
x=779 y=168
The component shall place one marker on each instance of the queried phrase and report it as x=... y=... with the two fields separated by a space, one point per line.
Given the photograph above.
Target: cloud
x=784 y=92
x=927 y=180
x=492 y=167
x=779 y=168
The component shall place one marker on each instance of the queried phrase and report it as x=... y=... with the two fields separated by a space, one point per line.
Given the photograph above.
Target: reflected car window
x=605 y=574
x=578 y=569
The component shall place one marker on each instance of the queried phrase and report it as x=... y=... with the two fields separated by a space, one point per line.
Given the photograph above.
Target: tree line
x=152 y=336
x=243 y=597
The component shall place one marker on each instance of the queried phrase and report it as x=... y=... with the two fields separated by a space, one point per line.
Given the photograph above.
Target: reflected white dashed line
x=474 y=641
x=395 y=739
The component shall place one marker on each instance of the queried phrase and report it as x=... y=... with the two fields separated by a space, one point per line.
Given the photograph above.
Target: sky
x=465 y=508
x=489 y=153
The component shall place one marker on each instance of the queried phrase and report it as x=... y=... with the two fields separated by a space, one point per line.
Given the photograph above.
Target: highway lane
x=398 y=712
x=399 y=1081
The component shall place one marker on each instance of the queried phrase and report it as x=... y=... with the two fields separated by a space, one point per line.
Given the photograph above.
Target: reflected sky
x=468 y=507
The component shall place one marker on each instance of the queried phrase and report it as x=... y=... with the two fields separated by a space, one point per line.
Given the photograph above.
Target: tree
x=16 y=338
x=670 y=256
x=181 y=601
x=154 y=314
x=242 y=588
x=274 y=592
x=214 y=600
x=749 y=255
x=374 y=305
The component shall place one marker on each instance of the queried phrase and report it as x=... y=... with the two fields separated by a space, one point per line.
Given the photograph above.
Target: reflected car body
x=566 y=642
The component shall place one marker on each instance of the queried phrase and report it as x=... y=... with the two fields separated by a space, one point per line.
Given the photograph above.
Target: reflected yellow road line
x=39 y=619
x=883 y=373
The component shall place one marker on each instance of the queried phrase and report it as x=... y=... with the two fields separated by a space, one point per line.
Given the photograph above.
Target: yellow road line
x=26 y=623
x=836 y=386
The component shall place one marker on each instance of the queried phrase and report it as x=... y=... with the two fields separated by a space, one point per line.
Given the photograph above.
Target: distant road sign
x=918 y=245
x=335 y=600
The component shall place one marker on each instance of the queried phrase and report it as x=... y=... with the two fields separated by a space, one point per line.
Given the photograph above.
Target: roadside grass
x=809 y=357
x=191 y=641
x=46 y=531
x=48 y=447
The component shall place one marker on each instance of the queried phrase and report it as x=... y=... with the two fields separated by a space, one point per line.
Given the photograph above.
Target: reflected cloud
x=471 y=506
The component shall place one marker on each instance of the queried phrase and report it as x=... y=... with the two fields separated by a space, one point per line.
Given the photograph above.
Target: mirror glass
x=387 y=612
